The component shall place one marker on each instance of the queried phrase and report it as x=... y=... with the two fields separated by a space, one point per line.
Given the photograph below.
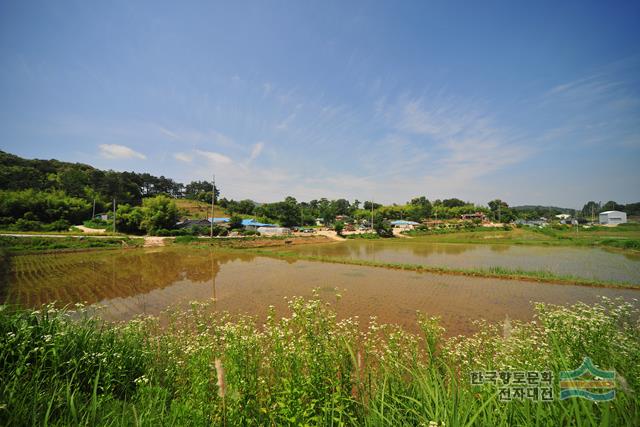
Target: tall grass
x=308 y=368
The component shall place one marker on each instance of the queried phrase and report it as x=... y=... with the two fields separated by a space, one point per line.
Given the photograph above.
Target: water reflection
x=590 y=263
x=96 y=276
x=128 y=283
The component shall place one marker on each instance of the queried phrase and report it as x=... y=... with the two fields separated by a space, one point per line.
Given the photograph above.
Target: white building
x=274 y=231
x=613 y=217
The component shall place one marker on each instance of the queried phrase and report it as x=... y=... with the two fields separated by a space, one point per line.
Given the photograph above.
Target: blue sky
x=532 y=102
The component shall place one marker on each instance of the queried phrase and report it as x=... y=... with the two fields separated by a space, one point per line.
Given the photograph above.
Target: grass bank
x=249 y=241
x=307 y=368
x=21 y=245
x=494 y=272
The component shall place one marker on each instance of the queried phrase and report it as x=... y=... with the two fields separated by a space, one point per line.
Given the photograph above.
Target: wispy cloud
x=267 y=88
x=168 y=133
x=183 y=157
x=198 y=136
x=256 y=150
x=463 y=140
x=115 y=151
x=591 y=87
x=214 y=157
x=601 y=108
x=284 y=125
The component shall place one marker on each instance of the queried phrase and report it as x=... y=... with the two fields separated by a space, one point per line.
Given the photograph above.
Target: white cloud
x=115 y=151
x=183 y=157
x=214 y=157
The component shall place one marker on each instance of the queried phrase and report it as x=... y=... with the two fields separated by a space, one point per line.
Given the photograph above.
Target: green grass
x=366 y=236
x=13 y=244
x=495 y=272
x=308 y=368
x=99 y=224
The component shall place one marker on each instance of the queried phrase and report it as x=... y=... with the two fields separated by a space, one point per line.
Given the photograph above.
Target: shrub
x=338 y=227
x=235 y=222
x=186 y=239
x=28 y=225
x=59 y=225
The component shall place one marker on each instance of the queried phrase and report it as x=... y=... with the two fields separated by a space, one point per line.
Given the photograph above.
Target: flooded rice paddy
x=588 y=263
x=147 y=281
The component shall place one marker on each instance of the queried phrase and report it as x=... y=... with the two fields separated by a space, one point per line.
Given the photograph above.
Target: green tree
x=235 y=222
x=500 y=211
x=590 y=209
x=420 y=208
x=382 y=226
x=129 y=219
x=612 y=206
x=338 y=227
x=158 y=212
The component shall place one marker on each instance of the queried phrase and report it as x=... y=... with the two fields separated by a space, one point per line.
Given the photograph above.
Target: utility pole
x=372 y=214
x=213 y=196
x=93 y=216
x=114 y=214
x=499 y=206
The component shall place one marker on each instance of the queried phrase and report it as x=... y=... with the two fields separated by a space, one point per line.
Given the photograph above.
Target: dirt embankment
x=263 y=242
x=154 y=241
x=88 y=230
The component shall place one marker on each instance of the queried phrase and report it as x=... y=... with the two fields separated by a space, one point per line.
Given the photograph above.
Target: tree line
x=55 y=193
x=50 y=194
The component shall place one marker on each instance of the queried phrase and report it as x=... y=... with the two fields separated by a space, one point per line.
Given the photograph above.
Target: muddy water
x=590 y=263
x=147 y=281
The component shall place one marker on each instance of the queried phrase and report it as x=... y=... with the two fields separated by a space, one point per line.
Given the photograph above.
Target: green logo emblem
x=588 y=382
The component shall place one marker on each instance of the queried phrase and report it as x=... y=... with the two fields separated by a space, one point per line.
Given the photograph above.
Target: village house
x=253 y=225
x=404 y=225
x=470 y=217
x=612 y=218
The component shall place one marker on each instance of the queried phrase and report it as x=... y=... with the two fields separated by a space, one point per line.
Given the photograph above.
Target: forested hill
x=86 y=182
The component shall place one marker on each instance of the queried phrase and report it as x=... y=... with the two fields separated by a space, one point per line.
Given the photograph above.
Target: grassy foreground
x=308 y=368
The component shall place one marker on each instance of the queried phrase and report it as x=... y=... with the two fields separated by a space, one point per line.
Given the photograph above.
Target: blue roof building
x=218 y=220
x=252 y=223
